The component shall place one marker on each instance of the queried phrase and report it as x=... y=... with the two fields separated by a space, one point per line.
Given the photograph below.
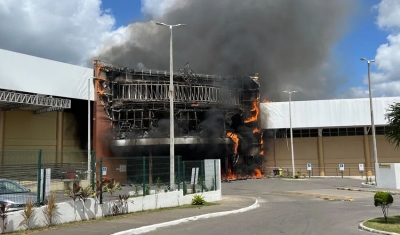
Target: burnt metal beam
x=48 y=109
x=14 y=107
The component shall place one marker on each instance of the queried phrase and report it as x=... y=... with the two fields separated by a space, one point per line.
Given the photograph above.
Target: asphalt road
x=281 y=213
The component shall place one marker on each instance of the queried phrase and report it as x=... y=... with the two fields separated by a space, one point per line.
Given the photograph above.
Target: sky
x=74 y=31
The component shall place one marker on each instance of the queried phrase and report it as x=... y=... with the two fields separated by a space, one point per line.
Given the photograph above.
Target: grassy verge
x=110 y=218
x=392 y=225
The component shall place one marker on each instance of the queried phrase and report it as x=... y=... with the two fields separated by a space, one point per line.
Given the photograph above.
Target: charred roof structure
x=215 y=116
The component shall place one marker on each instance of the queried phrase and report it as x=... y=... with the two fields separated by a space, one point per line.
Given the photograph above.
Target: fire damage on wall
x=215 y=116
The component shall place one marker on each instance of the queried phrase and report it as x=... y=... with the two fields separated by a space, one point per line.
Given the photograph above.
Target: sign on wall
x=341 y=167
x=361 y=167
x=309 y=166
x=104 y=170
x=384 y=165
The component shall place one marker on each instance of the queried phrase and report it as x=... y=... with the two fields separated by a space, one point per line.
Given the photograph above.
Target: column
x=321 y=159
x=59 y=138
x=367 y=153
x=2 y=130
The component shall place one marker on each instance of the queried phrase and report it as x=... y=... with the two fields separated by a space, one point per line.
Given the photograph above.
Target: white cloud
x=156 y=8
x=66 y=31
x=385 y=81
x=388 y=14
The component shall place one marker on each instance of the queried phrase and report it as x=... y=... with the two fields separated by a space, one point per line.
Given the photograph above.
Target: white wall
x=78 y=211
x=210 y=170
x=324 y=113
x=388 y=177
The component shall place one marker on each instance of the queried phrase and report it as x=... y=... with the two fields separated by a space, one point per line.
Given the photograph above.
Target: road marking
x=321 y=196
x=149 y=228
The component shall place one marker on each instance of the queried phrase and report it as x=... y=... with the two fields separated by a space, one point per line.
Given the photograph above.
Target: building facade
x=327 y=133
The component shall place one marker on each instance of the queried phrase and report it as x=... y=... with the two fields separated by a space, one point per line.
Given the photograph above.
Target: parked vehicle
x=14 y=194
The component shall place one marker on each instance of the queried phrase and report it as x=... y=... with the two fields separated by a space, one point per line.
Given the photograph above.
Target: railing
x=315 y=171
x=141 y=176
x=25 y=170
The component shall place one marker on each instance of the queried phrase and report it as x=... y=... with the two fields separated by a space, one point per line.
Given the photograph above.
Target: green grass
x=392 y=225
x=110 y=218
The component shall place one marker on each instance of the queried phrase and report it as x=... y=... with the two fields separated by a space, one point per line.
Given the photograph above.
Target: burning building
x=215 y=116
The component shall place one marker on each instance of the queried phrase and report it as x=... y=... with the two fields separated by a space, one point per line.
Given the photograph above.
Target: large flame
x=256 y=130
x=231 y=176
x=255 y=116
x=235 y=139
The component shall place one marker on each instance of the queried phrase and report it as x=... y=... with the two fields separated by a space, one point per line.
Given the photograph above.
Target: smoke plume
x=288 y=42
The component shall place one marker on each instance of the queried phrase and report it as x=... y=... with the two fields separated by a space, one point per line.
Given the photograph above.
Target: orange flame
x=265 y=101
x=99 y=90
x=256 y=130
x=231 y=176
x=235 y=139
x=262 y=144
x=257 y=112
x=257 y=173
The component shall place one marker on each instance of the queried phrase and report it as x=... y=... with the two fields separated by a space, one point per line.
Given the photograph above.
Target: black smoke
x=288 y=42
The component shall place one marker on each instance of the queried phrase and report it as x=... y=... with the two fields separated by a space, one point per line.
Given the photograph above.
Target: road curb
x=366 y=190
x=149 y=228
x=361 y=226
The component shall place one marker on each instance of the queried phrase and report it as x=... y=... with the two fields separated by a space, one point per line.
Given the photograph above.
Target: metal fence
x=141 y=176
x=23 y=173
x=315 y=171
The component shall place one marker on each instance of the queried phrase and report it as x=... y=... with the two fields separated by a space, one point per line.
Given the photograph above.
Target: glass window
x=7 y=187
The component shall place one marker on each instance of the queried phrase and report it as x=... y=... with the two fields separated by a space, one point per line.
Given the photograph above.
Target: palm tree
x=392 y=131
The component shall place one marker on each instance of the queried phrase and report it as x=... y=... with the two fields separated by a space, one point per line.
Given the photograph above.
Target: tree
x=392 y=131
x=384 y=200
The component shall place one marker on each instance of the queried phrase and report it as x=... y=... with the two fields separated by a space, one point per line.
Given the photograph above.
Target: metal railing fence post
x=39 y=172
x=179 y=173
x=92 y=169
x=202 y=175
x=215 y=175
x=101 y=180
x=144 y=176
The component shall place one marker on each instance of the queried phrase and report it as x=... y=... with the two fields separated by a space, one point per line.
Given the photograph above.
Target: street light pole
x=171 y=109
x=291 y=130
x=89 y=139
x=372 y=112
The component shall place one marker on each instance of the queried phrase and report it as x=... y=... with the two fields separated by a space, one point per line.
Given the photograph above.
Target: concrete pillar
x=59 y=138
x=321 y=159
x=367 y=153
x=2 y=130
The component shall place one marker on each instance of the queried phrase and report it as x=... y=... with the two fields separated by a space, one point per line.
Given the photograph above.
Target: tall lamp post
x=89 y=139
x=291 y=130
x=372 y=112
x=171 y=109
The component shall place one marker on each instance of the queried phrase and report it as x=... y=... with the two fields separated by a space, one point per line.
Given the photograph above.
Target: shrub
x=198 y=200
x=3 y=215
x=49 y=211
x=28 y=213
x=296 y=176
x=384 y=200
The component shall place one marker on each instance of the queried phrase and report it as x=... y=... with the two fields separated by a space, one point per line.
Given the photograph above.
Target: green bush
x=296 y=176
x=198 y=200
x=384 y=200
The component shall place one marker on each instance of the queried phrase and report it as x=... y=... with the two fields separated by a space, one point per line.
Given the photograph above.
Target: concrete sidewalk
x=227 y=203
